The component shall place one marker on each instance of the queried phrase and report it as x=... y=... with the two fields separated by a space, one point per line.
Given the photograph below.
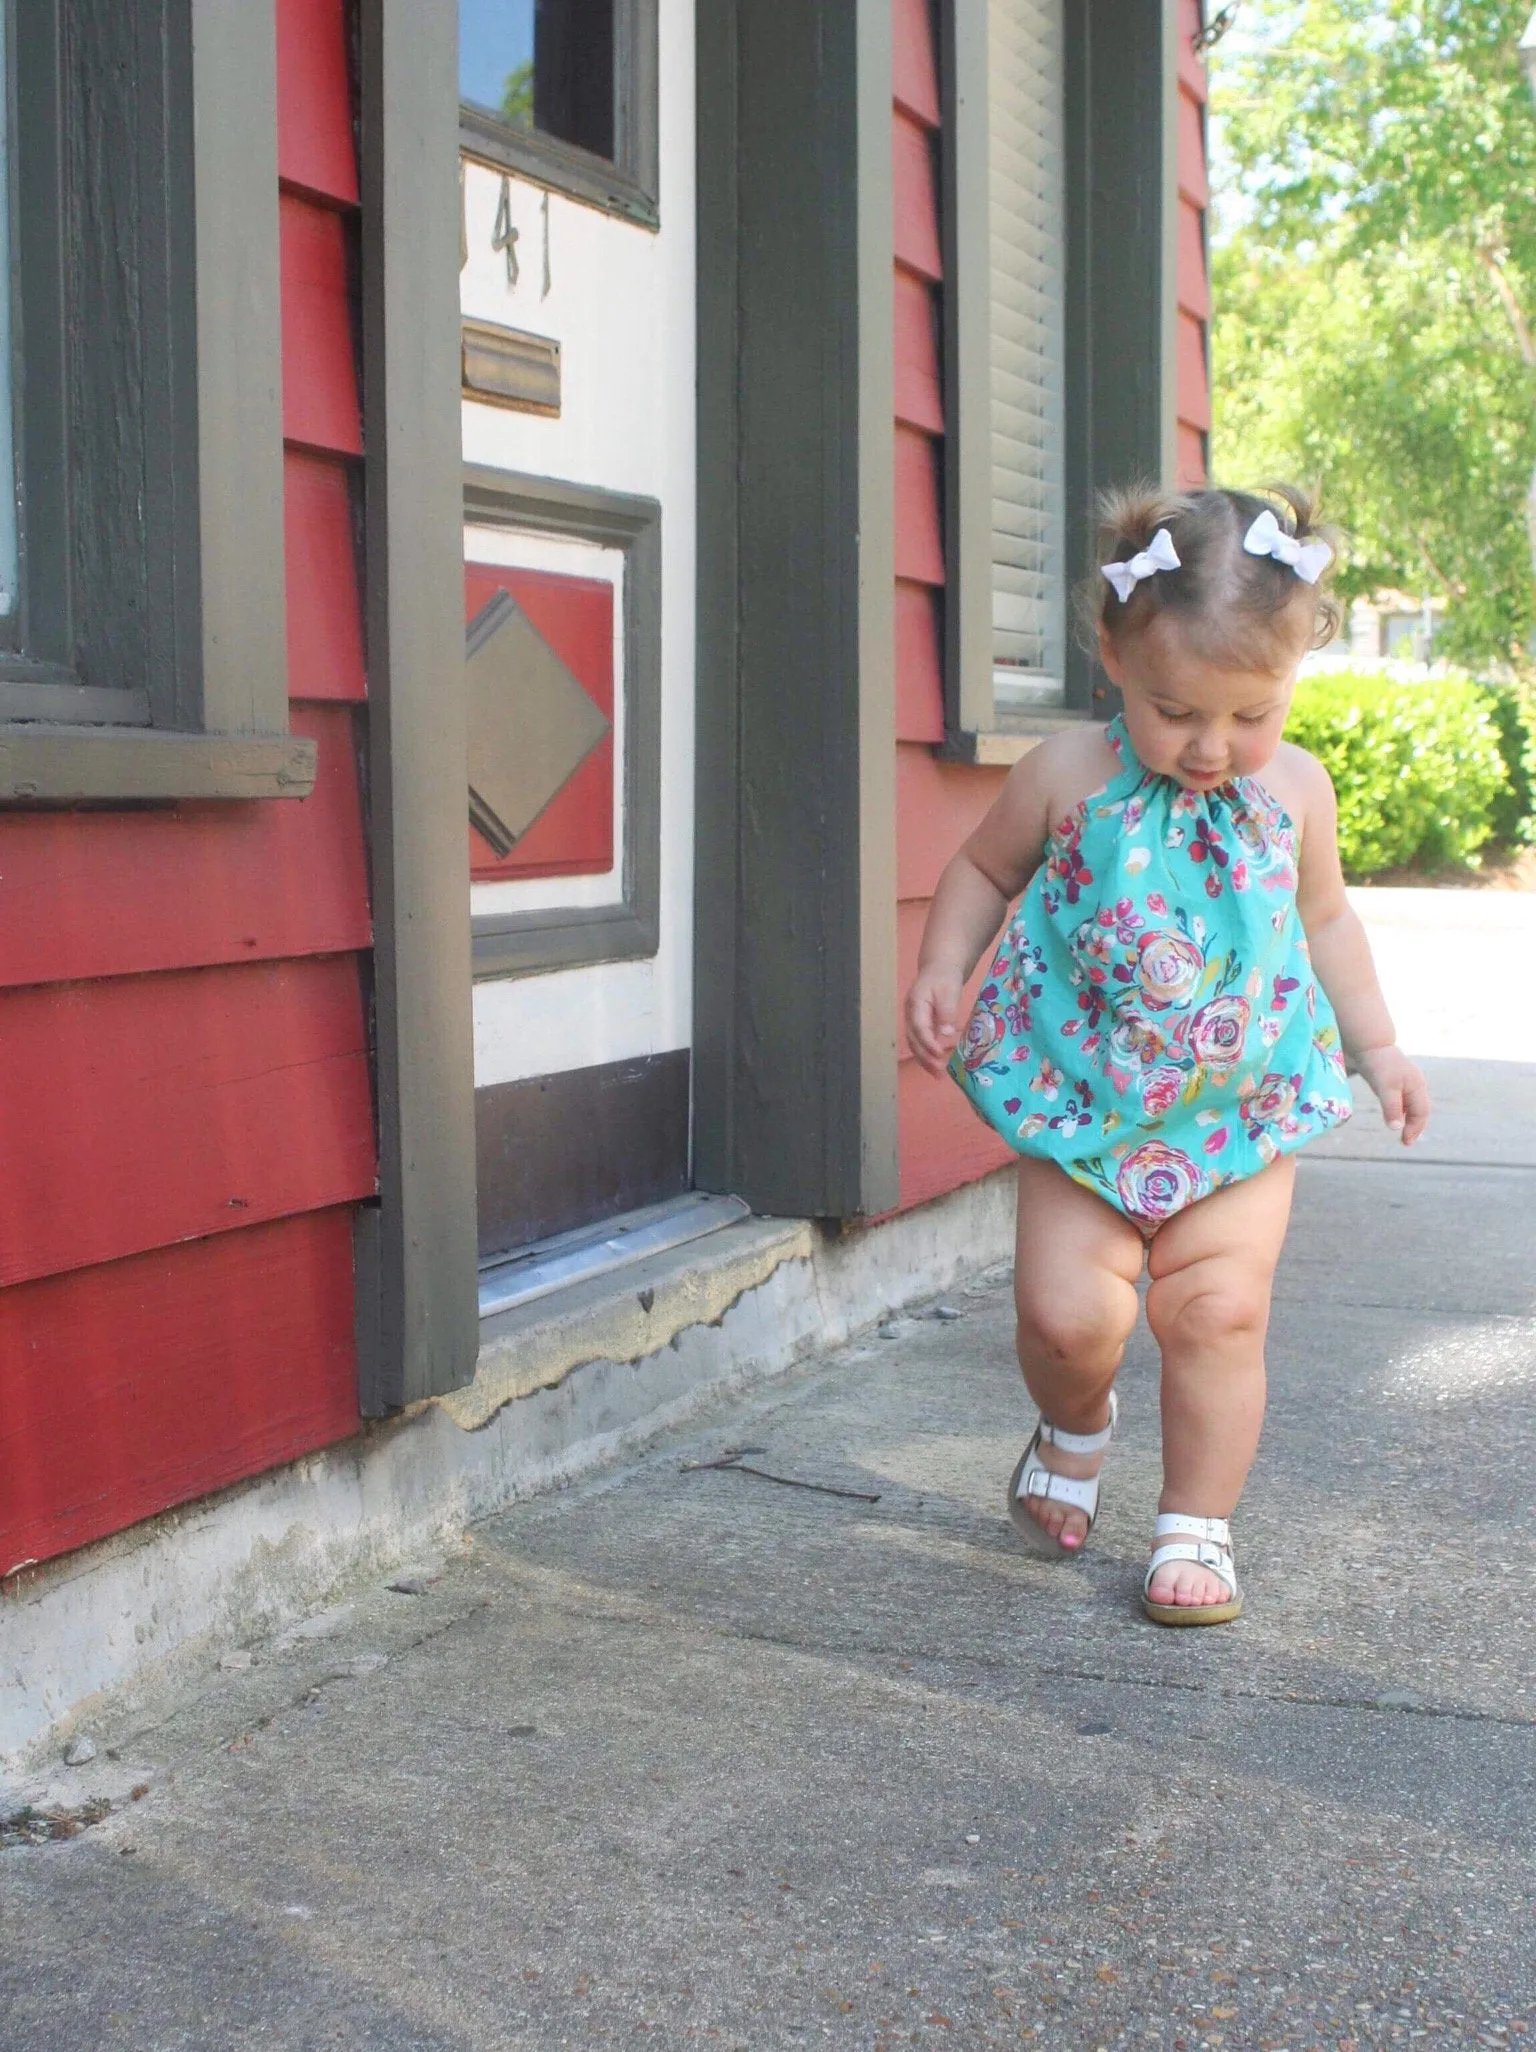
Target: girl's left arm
x=1341 y=956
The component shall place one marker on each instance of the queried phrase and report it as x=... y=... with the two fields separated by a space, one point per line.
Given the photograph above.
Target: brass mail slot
x=506 y=367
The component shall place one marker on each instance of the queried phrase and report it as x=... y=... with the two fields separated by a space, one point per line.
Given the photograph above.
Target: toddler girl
x=1169 y=1014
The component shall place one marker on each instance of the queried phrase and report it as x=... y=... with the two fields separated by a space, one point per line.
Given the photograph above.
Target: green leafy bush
x=1417 y=766
x=1513 y=706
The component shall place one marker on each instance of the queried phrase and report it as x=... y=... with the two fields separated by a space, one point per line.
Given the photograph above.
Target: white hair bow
x=1267 y=537
x=1159 y=554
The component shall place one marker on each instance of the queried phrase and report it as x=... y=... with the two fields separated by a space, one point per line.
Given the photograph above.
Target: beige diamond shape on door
x=531 y=723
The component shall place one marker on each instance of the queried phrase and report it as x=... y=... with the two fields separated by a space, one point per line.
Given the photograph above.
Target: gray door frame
x=417 y=1296
x=795 y=922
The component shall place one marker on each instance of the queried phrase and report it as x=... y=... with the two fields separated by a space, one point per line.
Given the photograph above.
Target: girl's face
x=1191 y=719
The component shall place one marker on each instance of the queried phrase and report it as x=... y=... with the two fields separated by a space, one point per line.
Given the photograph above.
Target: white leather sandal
x=1208 y=1542
x=1034 y=1482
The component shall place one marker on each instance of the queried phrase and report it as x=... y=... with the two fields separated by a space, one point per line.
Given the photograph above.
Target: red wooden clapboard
x=573 y=836
x=144 y=1383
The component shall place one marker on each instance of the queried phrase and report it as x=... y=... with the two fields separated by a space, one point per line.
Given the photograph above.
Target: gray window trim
x=630 y=185
x=1119 y=284
x=1119 y=345
x=159 y=670
x=528 y=943
x=417 y=1304
x=795 y=914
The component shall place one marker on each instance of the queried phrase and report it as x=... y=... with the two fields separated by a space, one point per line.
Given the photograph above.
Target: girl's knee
x=1071 y=1327
x=1193 y=1309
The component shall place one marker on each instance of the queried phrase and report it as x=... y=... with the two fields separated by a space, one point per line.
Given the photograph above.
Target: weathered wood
x=428 y=1310
x=555 y=1152
x=151 y=1381
x=794 y=935
x=164 y=1108
x=79 y=765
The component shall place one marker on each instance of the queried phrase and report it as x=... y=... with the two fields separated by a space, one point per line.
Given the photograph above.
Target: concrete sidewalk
x=686 y=1755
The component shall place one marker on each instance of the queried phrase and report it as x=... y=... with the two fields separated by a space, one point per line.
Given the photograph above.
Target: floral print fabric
x=1150 y=1021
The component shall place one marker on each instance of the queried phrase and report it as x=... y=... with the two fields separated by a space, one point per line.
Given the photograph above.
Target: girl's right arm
x=971 y=902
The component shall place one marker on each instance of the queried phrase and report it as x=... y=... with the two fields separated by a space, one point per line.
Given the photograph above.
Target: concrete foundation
x=566 y=1384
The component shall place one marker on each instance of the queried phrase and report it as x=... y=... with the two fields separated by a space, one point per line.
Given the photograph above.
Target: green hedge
x=1418 y=767
x=1514 y=715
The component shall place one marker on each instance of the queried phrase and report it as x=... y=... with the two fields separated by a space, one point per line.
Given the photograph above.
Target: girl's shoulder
x=1071 y=765
x=1299 y=781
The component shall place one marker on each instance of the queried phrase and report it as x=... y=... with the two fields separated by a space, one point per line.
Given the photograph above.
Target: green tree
x=1374 y=286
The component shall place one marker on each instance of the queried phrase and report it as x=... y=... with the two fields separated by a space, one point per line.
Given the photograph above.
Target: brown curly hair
x=1247 y=611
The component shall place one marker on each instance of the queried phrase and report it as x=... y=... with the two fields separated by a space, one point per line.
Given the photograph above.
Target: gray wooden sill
x=83 y=765
x=1010 y=736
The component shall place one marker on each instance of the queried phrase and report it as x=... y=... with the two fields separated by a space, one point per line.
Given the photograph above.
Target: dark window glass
x=541 y=64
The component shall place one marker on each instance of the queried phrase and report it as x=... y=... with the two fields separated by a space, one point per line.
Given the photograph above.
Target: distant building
x=1393 y=624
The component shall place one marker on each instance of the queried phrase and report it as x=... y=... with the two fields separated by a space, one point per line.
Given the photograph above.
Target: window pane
x=8 y=551
x=541 y=64
x=1028 y=282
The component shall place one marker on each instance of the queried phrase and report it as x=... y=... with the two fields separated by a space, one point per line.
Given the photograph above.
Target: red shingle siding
x=181 y=990
x=942 y=1143
x=1194 y=296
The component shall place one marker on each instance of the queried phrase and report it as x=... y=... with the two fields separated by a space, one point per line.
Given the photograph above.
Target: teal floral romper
x=1151 y=1022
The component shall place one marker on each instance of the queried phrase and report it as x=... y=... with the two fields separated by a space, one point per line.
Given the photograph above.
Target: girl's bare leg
x=1212 y=1268
x=1075 y=1288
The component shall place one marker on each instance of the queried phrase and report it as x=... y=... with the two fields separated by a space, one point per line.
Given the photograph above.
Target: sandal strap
x=1040 y=1482
x=1172 y=1524
x=1081 y=1442
x=1203 y=1553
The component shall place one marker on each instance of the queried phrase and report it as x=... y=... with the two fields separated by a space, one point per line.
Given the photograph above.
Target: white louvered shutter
x=1028 y=257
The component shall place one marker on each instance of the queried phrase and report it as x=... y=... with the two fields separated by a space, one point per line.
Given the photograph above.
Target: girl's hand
x=1400 y=1088
x=933 y=1015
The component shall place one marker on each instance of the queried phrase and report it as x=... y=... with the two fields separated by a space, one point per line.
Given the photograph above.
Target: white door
x=577 y=291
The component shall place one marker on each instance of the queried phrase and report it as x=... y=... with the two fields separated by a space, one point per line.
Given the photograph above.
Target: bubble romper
x=1151 y=1022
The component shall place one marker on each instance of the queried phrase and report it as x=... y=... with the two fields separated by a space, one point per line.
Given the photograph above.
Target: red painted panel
x=314 y=99
x=128 y=1388
x=325 y=611
x=919 y=664
x=919 y=540
x=1192 y=73
x=573 y=836
x=320 y=403
x=919 y=395
x=916 y=198
x=937 y=805
x=162 y=1108
x=941 y=1142
x=1192 y=173
x=915 y=72
x=1190 y=456
x=1194 y=291
x=1194 y=405
x=88 y=894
